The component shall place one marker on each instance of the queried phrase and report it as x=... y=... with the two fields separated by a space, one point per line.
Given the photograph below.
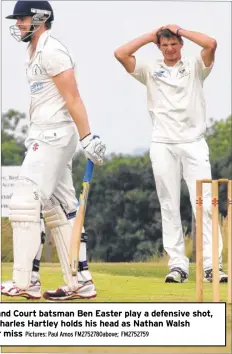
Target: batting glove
x=94 y=149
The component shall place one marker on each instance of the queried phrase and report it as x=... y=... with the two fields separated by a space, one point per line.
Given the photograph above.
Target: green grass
x=126 y=282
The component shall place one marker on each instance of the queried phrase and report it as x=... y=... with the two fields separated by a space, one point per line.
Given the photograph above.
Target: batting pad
x=24 y=214
x=61 y=231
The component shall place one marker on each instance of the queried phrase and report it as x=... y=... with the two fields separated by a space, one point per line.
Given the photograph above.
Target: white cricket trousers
x=48 y=163
x=171 y=163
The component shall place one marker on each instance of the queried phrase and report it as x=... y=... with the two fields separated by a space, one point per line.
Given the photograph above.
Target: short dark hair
x=166 y=33
x=48 y=25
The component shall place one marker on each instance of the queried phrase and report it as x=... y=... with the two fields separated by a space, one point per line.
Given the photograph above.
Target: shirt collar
x=179 y=63
x=41 y=42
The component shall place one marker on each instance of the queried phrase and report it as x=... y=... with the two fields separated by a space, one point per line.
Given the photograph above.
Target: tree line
x=123 y=217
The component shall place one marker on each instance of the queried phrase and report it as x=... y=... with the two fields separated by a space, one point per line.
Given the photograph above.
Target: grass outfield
x=127 y=282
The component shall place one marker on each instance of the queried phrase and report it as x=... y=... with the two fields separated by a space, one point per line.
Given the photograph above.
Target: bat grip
x=88 y=171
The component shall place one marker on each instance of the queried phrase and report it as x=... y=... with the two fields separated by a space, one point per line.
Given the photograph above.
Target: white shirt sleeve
x=57 y=61
x=141 y=71
x=202 y=70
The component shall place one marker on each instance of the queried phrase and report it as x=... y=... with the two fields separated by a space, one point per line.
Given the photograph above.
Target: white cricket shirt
x=175 y=98
x=51 y=58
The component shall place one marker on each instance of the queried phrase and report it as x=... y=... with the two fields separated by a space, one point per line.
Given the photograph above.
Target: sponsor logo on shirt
x=37 y=86
x=183 y=71
x=159 y=73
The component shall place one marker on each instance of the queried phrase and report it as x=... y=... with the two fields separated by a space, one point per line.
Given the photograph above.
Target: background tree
x=13 y=133
x=219 y=138
x=123 y=216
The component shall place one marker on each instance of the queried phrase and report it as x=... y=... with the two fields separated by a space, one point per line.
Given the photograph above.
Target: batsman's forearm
x=199 y=38
x=78 y=113
x=131 y=47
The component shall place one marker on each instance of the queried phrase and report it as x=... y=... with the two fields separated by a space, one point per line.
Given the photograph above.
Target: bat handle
x=88 y=171
x=89 y=168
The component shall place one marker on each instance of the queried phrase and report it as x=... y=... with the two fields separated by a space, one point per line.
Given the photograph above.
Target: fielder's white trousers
x=171 y=163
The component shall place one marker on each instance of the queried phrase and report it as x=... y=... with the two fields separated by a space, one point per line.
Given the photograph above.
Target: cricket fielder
x=45 y=183
x=178 y=148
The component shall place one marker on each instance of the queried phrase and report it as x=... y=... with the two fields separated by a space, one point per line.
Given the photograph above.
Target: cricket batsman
x=45 y=186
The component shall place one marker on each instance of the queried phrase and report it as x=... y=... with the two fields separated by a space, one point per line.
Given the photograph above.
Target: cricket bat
x=79 y=222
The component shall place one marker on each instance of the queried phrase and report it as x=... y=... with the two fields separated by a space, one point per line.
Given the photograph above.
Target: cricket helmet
x=40 y=11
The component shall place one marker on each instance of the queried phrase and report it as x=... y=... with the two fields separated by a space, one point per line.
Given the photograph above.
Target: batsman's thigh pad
x=48 y=154
x=24 y=214
x=60 y=227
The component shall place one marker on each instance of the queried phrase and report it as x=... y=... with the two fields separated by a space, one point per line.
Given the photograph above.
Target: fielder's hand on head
x=94 y=149
x=154 y=33
x=172 y=28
